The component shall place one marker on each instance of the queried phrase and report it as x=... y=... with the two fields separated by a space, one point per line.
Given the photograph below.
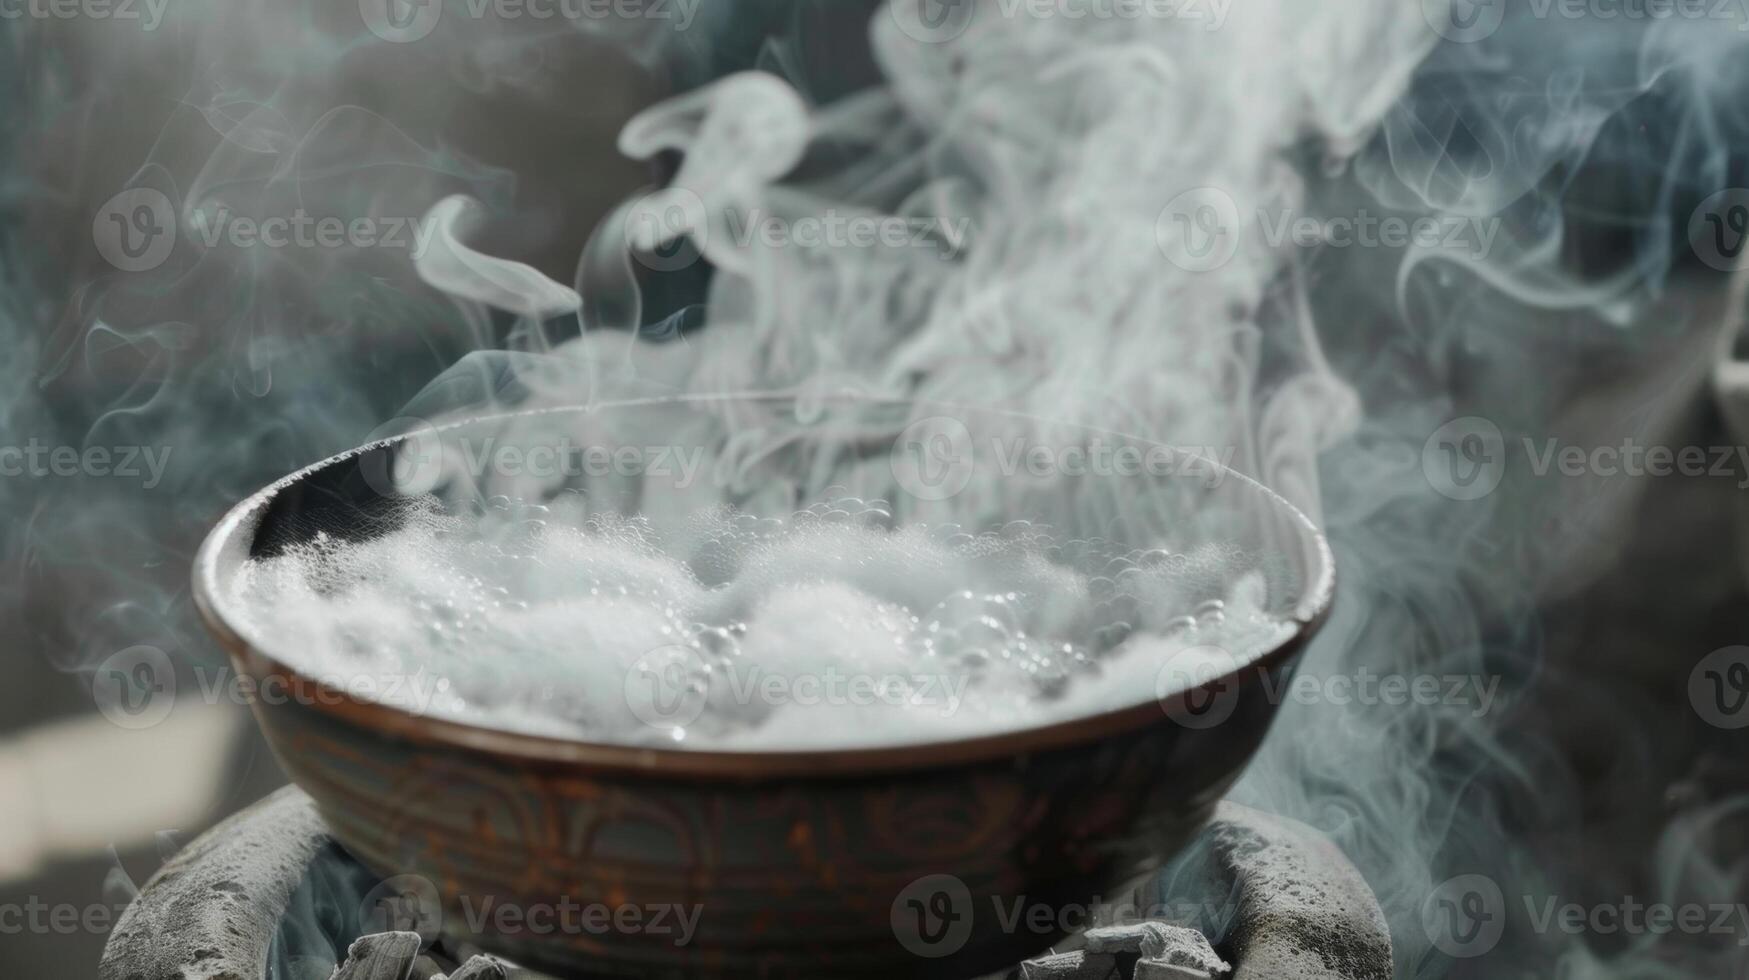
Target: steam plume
x=1065 y=146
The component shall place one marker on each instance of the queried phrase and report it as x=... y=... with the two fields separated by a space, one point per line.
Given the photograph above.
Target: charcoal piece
x=1161 y=944
x=1160 y=970
x=480 y=968
x=212 y=909
x=1300 y=909
x=384 y=956
x=1074 y=966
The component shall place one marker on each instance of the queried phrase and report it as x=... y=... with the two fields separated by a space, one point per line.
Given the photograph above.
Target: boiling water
x=830 y=628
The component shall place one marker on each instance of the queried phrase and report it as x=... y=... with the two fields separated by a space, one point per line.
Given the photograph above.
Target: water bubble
x=523 y=611
x=1179 y=626
x=720 y=644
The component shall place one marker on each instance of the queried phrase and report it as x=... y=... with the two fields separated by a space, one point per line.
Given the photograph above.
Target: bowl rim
x=526 y=749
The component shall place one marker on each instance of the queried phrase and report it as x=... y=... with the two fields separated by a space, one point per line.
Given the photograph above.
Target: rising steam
x=1072 y=145
x=1052 y=167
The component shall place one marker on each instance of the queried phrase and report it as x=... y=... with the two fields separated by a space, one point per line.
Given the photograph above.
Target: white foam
x=828 y=629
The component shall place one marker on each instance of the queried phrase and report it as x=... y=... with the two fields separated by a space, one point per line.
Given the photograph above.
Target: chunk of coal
x=1160 y=944
x=212 y=909
x=481 y=968
x=1072 y=966
x=1157 y=970
x=384 y=956
x=1300 y=909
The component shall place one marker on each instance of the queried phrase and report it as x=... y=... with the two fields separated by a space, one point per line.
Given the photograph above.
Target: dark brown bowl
x=886 y=861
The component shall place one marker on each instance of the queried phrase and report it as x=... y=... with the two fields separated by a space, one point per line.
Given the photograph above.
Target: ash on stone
x=384 y=956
